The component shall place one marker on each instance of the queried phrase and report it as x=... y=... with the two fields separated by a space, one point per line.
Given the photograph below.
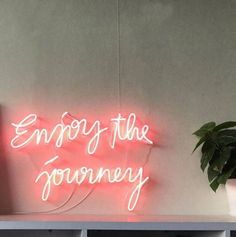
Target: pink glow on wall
x=93 y=167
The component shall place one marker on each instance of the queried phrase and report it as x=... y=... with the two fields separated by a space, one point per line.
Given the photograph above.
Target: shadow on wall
x=5 y=189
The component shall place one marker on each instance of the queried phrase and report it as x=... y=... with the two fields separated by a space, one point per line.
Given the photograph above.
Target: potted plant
x=219 y=157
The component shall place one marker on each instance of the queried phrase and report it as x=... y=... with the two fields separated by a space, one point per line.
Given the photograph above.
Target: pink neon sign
x=68 y=129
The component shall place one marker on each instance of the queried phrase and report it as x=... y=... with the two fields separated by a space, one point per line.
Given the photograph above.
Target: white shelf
x=111 y=226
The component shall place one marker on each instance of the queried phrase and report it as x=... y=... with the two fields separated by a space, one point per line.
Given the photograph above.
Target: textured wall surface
x=177 y=65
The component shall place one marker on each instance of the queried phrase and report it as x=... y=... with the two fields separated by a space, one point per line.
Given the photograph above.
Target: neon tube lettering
x=131 y=131
x=60 y=131
x=123 y=129
x=70 y=128
x=20 y=130
x=84 y=174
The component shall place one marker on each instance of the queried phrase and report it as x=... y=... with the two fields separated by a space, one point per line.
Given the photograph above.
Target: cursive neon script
x=91 y=176
x=123 y=129
x=69 y=128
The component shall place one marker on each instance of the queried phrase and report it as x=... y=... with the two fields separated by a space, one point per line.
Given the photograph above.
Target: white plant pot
x=230 y=187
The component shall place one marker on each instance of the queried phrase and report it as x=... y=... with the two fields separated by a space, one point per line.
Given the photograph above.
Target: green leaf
x=227 y=132
x=226 y=140
x=206 y=146
x=222 y=179
x=203 y=139
x=224 y=156
x=212 y=174
x=225 y=125
x=214 y=185
x=205 y=129
x=206 y=157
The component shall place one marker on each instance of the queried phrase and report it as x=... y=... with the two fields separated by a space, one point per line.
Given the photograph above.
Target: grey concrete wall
x=177 y=66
